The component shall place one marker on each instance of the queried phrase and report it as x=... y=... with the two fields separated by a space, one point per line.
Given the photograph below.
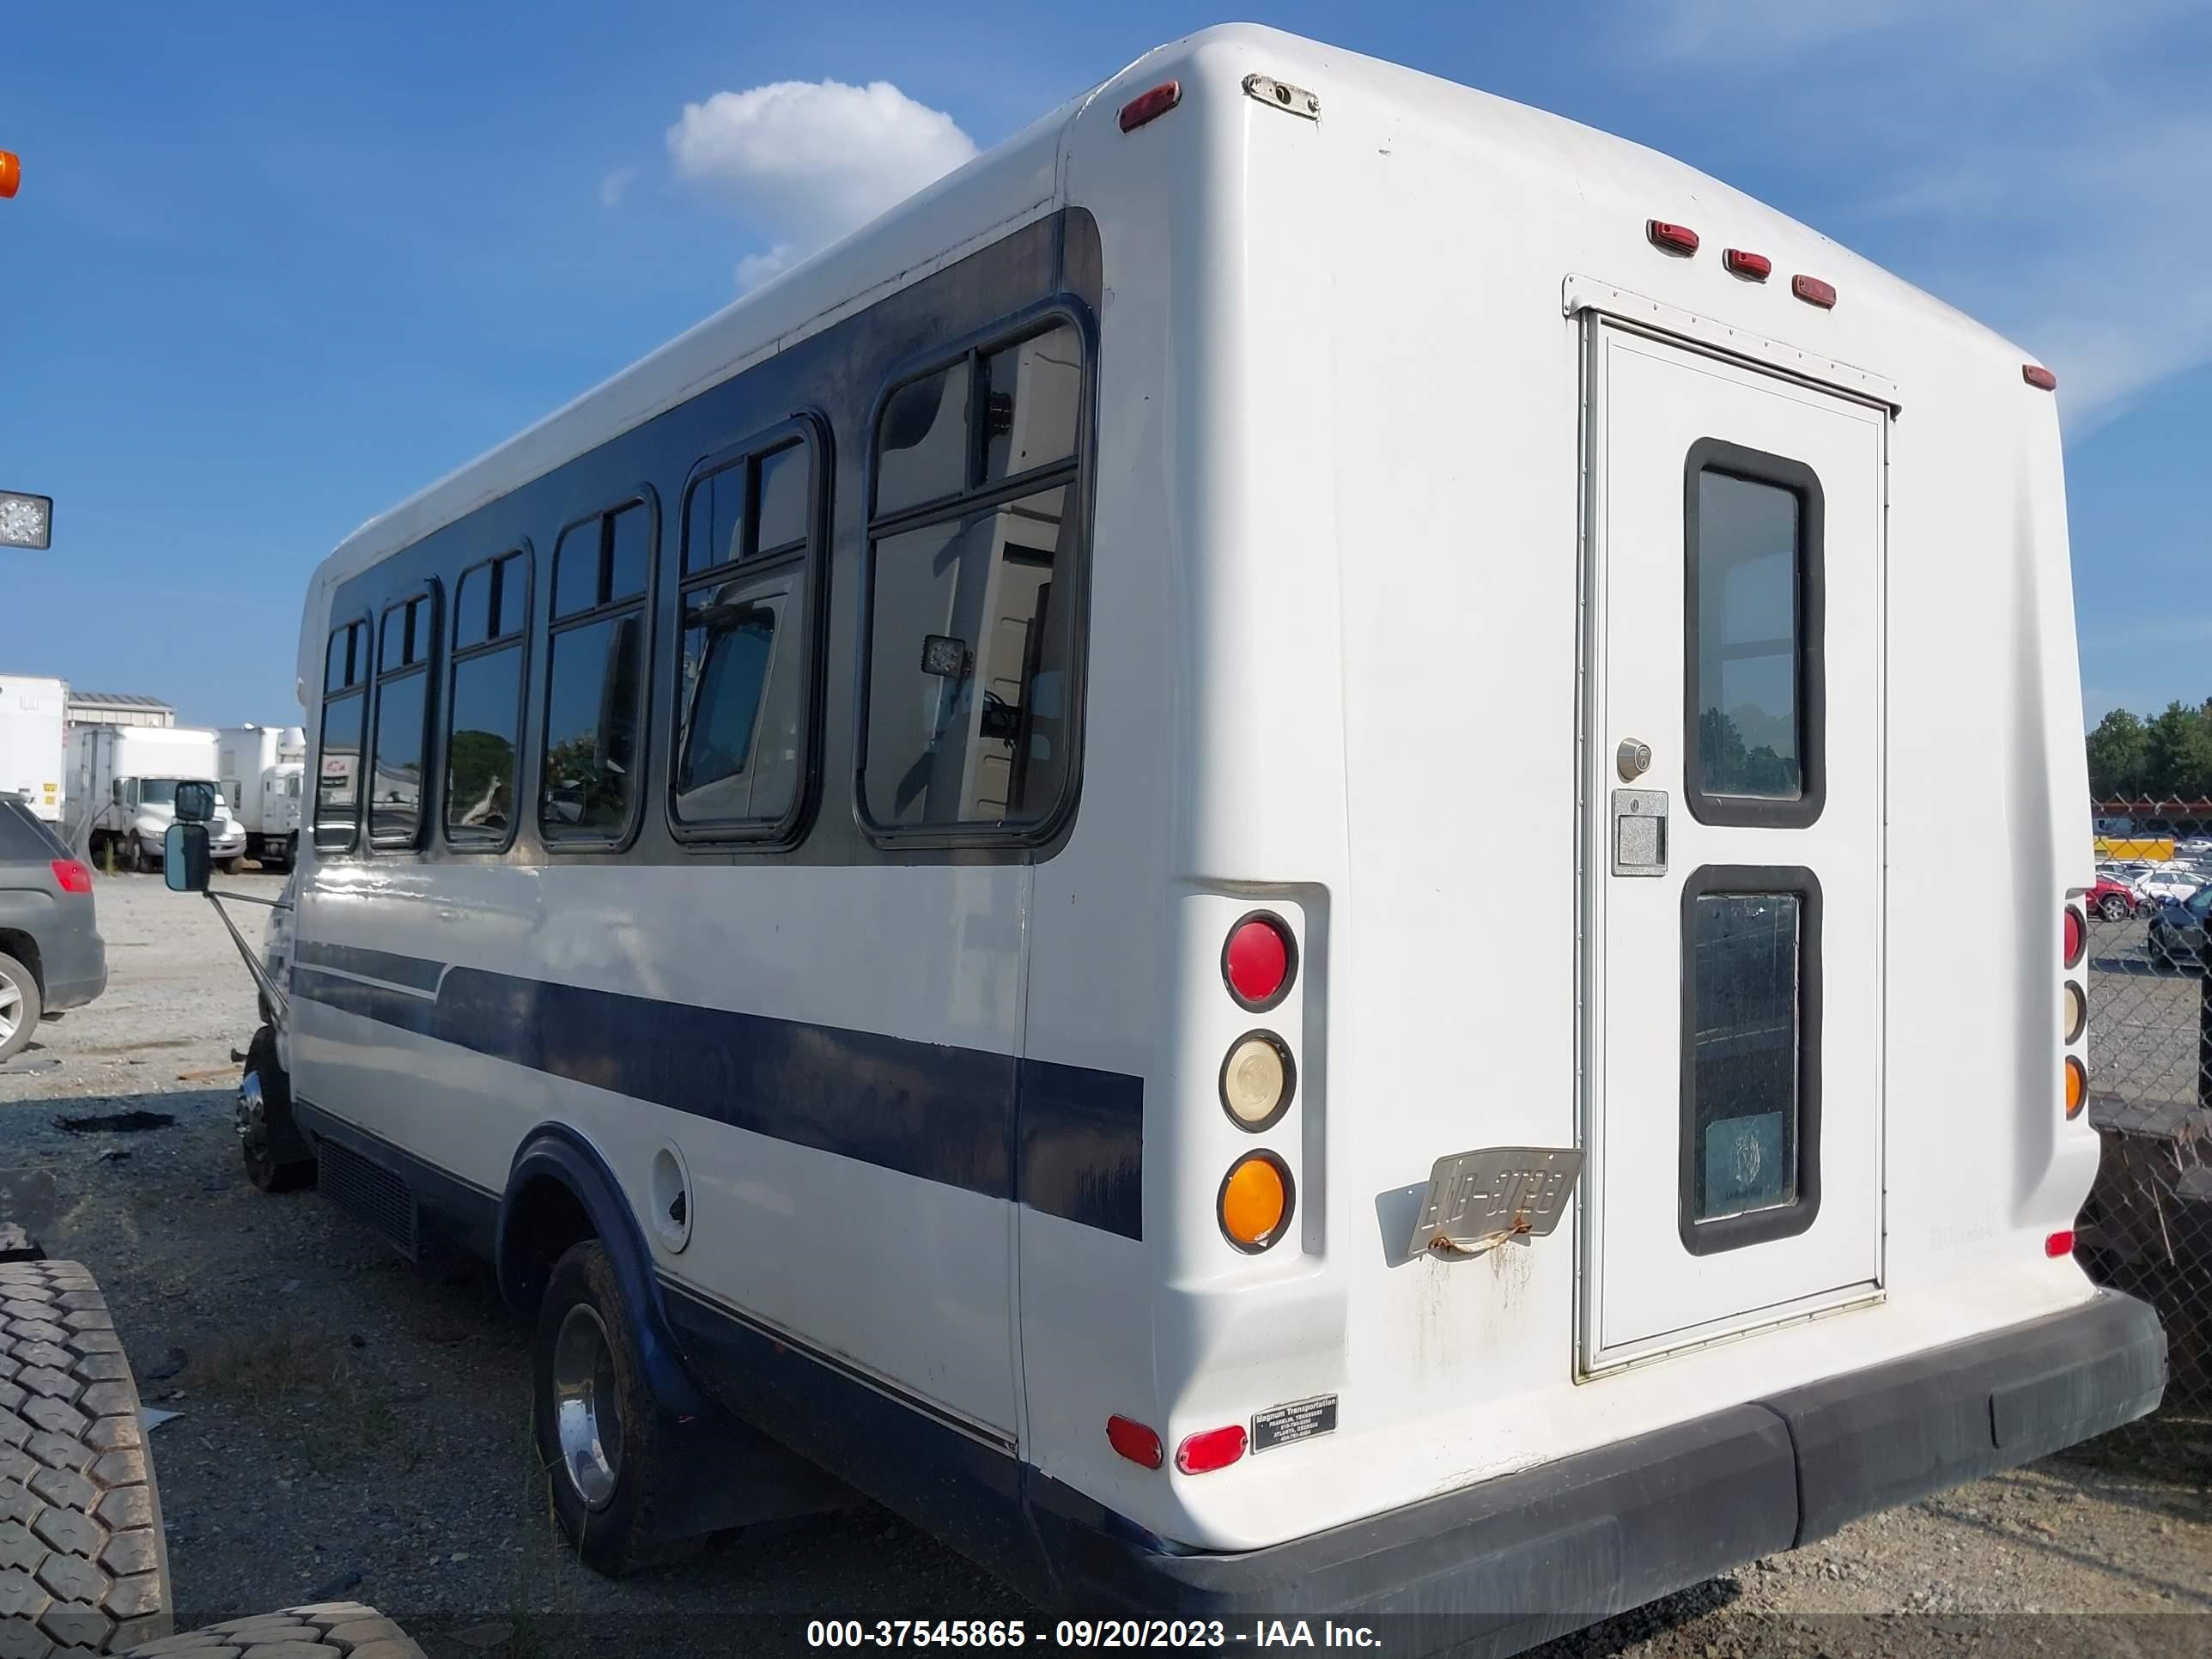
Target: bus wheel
x=600 y=1440
x=277 y=1159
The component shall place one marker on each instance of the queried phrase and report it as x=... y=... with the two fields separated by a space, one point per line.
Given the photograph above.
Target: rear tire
x=278 y=1157
x=83 y=1566
x=601 y=1437
x=340 y=1627
x=2113 y=908
x=20 y=1005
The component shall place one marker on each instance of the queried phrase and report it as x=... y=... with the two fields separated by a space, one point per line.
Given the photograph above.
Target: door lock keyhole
x=1632 y=758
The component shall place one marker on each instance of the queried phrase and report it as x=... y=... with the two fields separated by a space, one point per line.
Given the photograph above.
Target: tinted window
x=1749 y=666
x=576 y=569
x=338 y=782
x=630 y=552
x=490 y=602
x=1032 y=393
x=24 y=837
x=714 y=524
x=783 y=497
x=395 y=797
x=589 y=780
x=740 y=737
x=510 y=596
x=1743 y=1067
x=967 y=665
x=922 y=443
x=346 y=662
x=486 y=730
x=473 y=608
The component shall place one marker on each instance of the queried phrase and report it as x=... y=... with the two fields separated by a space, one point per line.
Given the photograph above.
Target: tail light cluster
x=1259 y=1079
x=1258 y=1195
x=72 y=877
x=2073 y=1073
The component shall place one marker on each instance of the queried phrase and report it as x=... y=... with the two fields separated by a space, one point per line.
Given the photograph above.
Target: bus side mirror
x=184 y=857
x=195 y=803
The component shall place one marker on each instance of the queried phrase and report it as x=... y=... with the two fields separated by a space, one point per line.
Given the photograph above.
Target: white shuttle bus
x=922 y=870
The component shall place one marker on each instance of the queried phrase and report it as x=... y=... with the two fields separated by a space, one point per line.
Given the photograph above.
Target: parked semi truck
x=33 y=756
x=127 y=776
x=261 y=769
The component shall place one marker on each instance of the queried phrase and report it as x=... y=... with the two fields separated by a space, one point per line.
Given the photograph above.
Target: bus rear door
x=1734 y=1115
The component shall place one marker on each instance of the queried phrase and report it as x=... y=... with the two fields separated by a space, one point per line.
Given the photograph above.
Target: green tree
x=2119 y=758
x=2178 y=754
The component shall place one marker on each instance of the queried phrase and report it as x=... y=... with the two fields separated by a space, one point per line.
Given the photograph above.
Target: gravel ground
x=350 y=1425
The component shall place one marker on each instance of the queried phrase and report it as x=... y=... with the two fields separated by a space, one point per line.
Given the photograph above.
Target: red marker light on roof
x=2059 y=1243
x=1671 y=239
x=1209 y=1449
x=2038 y=377
x=1135 y=1442
x=11 y=172
x=1151 y=105
x=1813 y=292
x=1757 y=267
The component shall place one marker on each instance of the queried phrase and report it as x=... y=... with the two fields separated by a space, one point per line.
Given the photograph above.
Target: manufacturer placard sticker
x=1296 y=1420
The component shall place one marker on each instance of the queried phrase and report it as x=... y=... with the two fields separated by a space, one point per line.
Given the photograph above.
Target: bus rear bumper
x=1519 y=1559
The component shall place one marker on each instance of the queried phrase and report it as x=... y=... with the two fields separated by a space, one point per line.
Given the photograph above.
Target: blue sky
x=273 y=269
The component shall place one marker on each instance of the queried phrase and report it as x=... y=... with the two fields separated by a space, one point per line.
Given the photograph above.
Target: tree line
x=2165 y=758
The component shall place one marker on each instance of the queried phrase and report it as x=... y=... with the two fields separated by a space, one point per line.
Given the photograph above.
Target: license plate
x=1477 y=1200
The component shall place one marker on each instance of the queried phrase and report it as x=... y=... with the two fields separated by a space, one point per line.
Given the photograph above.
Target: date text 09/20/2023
x=1089 y=1633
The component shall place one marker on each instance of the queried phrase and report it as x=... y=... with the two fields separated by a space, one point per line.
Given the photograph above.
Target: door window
x=1750 y=1160
x=1752 y=616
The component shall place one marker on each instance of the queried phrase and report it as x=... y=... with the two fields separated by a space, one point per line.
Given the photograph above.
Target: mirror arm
x=280 y=1005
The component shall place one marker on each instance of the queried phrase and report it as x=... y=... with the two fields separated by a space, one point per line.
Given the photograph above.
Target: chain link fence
x=2147 y=1227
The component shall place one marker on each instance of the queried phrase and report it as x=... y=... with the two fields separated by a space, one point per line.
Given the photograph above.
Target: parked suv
x=51 y=956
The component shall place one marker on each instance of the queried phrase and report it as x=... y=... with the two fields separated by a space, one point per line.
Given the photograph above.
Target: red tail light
x=1134 y=1441
x=1151 y=105
x=1813 y=292
x=2059 y=1243
x=1756 y=266
x=1259 y=961
x=2077 y=939
x=1673 y=238
x=73 y=876
x=1211 y=1450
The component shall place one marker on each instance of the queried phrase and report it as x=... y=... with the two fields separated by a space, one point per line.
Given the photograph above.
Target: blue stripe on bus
x=1066 y=1140
x=414 y=972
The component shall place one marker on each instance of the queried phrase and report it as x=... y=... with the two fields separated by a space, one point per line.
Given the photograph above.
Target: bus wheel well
x=25 y=949
x=545 y=1219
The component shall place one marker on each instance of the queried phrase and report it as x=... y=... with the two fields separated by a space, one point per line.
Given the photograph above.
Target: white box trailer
x=32 y=757
x=261 y=769
x=126 y=776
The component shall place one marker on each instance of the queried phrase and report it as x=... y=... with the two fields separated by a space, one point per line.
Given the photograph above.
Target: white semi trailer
x=127 y=776
x=32 y=749
x=261 y=769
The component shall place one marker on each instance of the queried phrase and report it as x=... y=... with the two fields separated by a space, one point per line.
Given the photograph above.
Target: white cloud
x=613 y=186
x=804 y=161
x=2029 y=161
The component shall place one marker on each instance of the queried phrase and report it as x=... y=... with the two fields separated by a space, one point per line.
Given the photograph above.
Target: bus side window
x=589 y=770
x=971 y=635
x=402 y=715
x=744 y=662
x=337 y=752
x=484 y=709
